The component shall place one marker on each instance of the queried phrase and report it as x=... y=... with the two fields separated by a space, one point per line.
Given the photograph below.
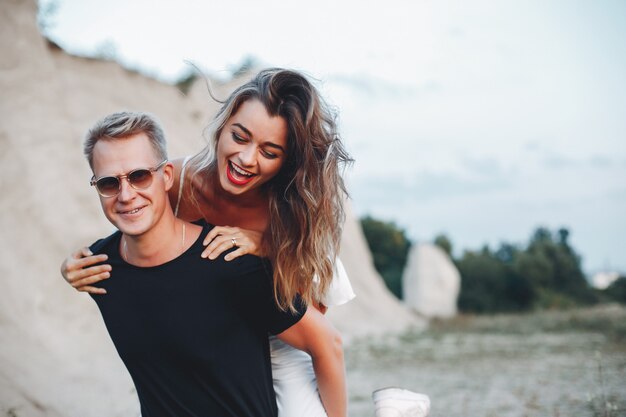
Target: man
x=191 y=332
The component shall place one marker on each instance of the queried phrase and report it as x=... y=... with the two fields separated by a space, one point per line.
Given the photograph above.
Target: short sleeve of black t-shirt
x=193 y=333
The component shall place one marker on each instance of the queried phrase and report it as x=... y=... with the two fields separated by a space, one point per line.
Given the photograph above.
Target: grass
x=545 y=363
x=607 y=319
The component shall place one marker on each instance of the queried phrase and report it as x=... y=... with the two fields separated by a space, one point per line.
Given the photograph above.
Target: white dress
x=292 y=369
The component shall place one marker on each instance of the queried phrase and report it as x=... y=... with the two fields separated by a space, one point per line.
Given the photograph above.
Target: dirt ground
x=548 y=364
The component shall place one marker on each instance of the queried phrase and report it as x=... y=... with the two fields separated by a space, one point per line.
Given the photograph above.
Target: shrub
x=390 y=247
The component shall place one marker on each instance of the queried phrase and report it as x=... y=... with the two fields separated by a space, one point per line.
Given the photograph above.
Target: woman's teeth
x=237 y=175
x=240 y=171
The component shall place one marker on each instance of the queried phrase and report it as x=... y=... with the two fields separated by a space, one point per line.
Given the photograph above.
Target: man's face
x=133 y=211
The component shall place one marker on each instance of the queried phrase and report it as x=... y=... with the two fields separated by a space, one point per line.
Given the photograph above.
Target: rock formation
x=375 y=309
x=56 y=358
x=430 y=282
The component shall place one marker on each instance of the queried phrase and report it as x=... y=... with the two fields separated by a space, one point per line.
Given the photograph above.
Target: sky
x=478 y=119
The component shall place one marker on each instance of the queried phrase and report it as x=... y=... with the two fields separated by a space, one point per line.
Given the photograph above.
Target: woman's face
x=251 y=148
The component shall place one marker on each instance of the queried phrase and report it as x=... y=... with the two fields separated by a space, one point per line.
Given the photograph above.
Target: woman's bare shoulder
x=192 y=201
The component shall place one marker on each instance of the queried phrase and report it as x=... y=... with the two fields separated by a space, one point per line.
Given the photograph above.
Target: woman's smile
x=238 y=175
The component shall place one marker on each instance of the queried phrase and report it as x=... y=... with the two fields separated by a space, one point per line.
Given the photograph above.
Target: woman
x=272 y=172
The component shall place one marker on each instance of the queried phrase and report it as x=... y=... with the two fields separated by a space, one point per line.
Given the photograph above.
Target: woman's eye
x=268 y=155
x=238 y=138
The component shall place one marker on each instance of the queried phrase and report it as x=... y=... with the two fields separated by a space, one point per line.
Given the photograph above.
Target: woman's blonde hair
x=306 y=196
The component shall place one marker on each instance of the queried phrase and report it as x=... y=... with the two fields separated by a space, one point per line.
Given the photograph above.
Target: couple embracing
x=215 y=285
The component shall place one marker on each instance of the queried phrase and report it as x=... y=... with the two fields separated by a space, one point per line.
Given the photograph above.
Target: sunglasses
x=139 y=179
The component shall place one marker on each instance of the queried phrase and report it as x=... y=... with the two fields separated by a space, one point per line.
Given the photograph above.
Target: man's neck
x=164 y=242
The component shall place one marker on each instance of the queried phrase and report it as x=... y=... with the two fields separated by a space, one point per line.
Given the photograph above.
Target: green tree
x=617 y=290
x=546 y=273
x=553 y=266
x=536 y=267
x=507 y=253
x=490 y=285
x=390 y=247
x=444 y=243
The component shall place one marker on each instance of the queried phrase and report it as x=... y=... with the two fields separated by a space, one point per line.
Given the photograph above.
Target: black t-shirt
x=193 y=333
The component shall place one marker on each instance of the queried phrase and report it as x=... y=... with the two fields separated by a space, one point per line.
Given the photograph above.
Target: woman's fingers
x=219 y=239
x=222 y=238
x=92 y=290
x=213 y=233
x=219 y=230
x=221 y=244
x=80 y=259
x=94 y=275
x=235 y=254
x=84 y=252
x=77 y=272
x=85 y=262
x=81 y=271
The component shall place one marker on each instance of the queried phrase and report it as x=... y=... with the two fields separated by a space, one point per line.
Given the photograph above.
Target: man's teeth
x=132 y=211
x=240 y=171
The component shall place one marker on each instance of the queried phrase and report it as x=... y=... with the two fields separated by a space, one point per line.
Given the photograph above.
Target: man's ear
x=168 y=175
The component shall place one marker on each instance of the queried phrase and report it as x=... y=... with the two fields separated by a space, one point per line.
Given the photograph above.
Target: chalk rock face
x=430 y=282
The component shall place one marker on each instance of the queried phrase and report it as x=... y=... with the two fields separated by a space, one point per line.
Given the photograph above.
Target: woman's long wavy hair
x=306 y=196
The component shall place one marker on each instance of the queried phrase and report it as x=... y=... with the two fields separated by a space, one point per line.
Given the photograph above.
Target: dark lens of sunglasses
x=108 y=186
x=141 y=178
